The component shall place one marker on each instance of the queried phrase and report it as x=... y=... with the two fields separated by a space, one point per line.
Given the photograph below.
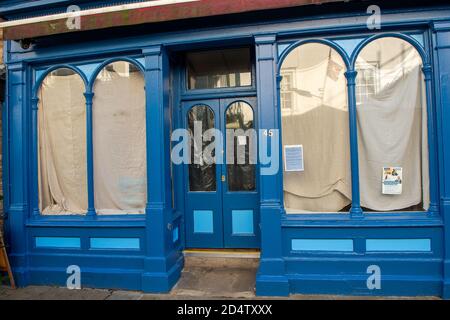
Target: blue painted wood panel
x=58 y=242
x=398 y=245
x=242 y=221
x=115 y=243
x=343 y=245
x=203 y=221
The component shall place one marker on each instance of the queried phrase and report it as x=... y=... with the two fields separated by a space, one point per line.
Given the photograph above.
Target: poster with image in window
x=392 y=180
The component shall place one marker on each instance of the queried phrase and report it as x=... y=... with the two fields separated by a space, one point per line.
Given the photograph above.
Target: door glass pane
x=219 y=69
x=202 y=176
x=241 y=144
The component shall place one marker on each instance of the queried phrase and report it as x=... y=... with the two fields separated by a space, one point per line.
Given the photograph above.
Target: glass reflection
x=240 y=168
x=202 y=176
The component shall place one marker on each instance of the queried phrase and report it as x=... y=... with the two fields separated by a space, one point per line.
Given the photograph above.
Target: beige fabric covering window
x=392 y=124
x=314 y=113
x=62 y=144
x=119 y=140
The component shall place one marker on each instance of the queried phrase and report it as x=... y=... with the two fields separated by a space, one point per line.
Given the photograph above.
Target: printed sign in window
x=293 y=158
x=392 y=180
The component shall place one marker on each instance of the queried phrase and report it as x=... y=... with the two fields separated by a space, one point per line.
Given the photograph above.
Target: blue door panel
x=220 y=218
x=240 y=206
x=203 y=209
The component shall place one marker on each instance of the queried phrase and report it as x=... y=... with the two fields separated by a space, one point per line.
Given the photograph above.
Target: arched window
x=119 y=140
x=315 y=130
x=392 y=127
x=62 y=178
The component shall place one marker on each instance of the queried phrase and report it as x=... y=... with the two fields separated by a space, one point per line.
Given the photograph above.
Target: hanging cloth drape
x=119 y=139
x=62 y=145
x=392 y=132
x=318 y=121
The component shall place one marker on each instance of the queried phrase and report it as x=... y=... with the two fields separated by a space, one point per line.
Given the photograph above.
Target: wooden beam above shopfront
x=140 y=13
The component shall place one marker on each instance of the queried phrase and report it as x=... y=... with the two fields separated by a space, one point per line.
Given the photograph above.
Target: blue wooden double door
x=221 y=180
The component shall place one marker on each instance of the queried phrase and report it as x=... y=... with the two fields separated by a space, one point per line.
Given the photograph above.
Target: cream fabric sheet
x=392 y=131
x=62 y=146
x=119 y=139
x=319 y=122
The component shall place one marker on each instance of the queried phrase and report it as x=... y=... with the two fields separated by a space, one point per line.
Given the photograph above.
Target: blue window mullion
x=432 y=146
x=90 y=154
x=355 y=211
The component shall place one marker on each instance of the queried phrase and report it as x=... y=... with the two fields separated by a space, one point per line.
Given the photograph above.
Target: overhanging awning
x=139 y=13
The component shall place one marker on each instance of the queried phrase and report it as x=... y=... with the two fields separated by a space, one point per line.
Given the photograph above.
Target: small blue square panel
x=203 y=221
x=242 y=221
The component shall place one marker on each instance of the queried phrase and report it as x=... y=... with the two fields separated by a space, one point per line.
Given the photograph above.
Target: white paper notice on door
x=293 y=158
x=392 y=180
x=242 y=140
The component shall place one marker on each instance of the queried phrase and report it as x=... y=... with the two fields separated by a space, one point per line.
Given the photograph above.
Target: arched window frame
x=89 y=123
x=34 y=128
x=88 y=94
x=356 y=211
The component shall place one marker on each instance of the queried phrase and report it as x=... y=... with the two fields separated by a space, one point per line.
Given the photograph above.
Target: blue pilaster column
x=18 y=171
x=163 y=263
x=271 y=278
x=442 y=75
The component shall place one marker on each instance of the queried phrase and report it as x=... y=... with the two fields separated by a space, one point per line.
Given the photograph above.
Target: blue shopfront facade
x=323 y=253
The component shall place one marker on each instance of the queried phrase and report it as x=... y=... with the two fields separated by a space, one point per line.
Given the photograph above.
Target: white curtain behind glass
x=317 y=118
x=120 y=184
x=392 y=126
x=62 y=144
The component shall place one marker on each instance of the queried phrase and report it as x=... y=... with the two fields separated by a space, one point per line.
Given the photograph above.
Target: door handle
x=223 y=178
